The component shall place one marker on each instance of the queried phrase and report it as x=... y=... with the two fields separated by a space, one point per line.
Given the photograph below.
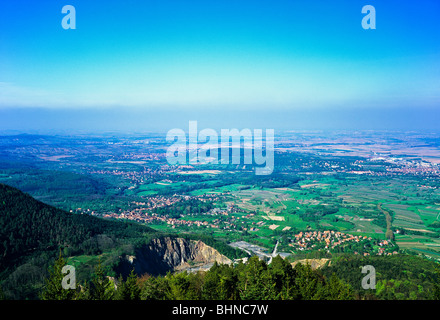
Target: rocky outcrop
x=314 y=263
x=170 y=254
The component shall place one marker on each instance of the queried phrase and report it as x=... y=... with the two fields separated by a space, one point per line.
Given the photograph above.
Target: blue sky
x=229 y=55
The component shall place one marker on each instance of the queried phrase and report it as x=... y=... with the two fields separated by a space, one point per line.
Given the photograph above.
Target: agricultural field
x=324 y=186
x=341 y=203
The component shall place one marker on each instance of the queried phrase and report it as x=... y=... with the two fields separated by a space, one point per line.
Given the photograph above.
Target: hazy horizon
x=156 y=65
x=46 y=121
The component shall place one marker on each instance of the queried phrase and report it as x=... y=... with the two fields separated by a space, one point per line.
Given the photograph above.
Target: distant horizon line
x=278 y=132
x=406 y=118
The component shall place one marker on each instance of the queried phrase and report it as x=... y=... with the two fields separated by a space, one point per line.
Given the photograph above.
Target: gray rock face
x=171 y=254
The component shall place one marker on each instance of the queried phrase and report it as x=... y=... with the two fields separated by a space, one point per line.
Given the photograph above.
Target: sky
x=287 y=64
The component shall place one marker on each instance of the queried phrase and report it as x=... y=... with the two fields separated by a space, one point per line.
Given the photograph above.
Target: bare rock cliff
x=314 y=263
x=170 y=254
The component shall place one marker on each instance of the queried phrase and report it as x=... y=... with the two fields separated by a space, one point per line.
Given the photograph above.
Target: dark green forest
x=34 y=238
x=253 y=280
x=398 y=277
x=33 y=233
x=29 y=226
x=256 y=280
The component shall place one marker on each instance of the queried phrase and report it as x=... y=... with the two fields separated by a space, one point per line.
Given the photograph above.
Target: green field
x=351 y=202
x=222 y=189
x=307 y=192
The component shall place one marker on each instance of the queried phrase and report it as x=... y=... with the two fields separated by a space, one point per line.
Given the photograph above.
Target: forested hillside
x=398 y=277
x=32 y=234
x=28 y=226
x=253 y=280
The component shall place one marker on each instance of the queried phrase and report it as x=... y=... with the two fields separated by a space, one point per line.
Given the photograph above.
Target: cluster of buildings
x=382 y=251
x=326 y=239
x=393 y=166
x=329 y=240
x=397 y=166
x=146 y=216
x=409 y=166
x=136 y=177
x=144 y=212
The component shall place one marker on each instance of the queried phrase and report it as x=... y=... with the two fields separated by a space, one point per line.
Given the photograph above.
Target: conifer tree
x=101 y=287
x=53 y=289
x=436 y=290
x=129 y=290
x=336 y=289
x=308 y=282
x=284 y=278
x=255 y=282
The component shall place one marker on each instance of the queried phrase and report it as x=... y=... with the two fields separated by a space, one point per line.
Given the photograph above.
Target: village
x=334 y=240
x=144 y=212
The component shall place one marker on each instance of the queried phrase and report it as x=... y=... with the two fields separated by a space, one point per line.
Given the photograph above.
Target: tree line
x=398 y=277
x=253 y=280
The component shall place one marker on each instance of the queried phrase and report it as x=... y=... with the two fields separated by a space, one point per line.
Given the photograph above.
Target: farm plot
x=261 y=200
x=428 y=215
x=405 y=218
x=419 y=243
